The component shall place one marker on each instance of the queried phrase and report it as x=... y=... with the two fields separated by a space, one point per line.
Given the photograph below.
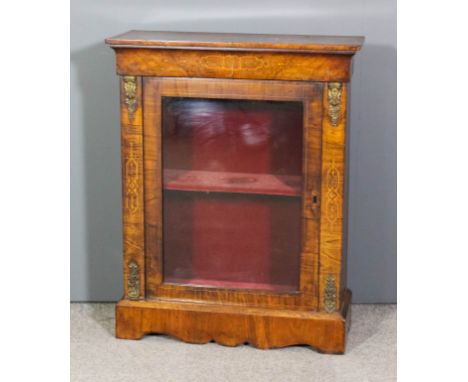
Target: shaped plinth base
x=231 y=325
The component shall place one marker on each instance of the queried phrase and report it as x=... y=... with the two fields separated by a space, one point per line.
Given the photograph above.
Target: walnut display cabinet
x=233 y=165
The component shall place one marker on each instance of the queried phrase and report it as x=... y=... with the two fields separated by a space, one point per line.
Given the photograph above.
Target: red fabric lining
x=232 y=176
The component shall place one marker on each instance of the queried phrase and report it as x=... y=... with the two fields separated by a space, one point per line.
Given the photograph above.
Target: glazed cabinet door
x=232 y=190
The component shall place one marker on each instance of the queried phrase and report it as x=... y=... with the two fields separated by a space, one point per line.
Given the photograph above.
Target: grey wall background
x=96 y=241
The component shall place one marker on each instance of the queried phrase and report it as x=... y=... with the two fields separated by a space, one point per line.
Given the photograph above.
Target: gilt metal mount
x=329 y=296
x=133 y=281
x=334 y=102
x=130 y=87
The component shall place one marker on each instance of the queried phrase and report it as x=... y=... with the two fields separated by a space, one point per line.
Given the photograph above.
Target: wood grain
x=238 y=41
x=132 y=190
x=331 y=216
x=311 y=195
x=311 y=96
x=153 y=186
x=200 y=323
x=239 y=65
x=244 y=67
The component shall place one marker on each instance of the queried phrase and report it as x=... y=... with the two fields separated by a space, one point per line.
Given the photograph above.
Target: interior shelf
x=232 y=182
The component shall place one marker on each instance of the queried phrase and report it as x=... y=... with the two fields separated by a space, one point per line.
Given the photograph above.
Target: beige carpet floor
x=97 y=356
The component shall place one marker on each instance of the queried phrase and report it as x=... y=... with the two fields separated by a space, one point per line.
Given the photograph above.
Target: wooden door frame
x=311 y=95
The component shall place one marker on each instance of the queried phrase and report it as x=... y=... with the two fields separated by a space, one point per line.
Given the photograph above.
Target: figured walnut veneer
x=313 y=70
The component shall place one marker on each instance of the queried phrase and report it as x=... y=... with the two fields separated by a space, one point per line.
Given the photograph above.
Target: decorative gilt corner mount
x=130 y=87
x=334 y=102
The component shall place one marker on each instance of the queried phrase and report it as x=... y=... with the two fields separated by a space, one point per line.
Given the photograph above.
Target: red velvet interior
x=232 y=179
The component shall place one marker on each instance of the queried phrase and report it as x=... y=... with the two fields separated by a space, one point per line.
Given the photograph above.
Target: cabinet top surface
x=237 y=41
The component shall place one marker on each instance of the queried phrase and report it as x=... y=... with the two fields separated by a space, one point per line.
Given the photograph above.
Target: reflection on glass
x=232 y=181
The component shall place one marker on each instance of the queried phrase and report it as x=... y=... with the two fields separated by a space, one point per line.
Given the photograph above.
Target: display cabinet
x=233 y=158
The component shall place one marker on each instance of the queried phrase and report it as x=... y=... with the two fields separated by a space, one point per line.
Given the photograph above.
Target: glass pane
x=232 y=181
